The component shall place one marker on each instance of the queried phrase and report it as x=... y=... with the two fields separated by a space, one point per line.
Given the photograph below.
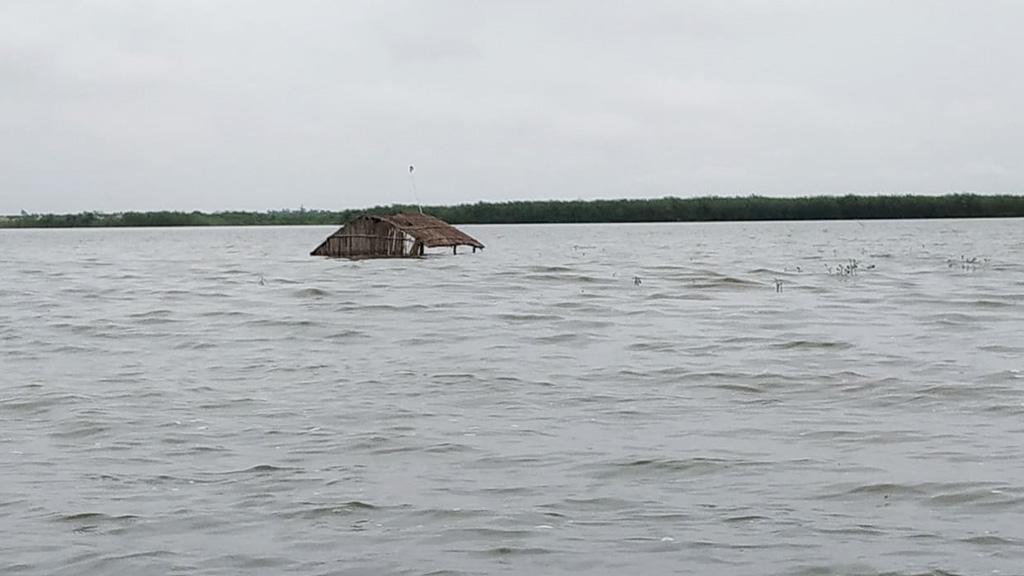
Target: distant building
x=394 y=236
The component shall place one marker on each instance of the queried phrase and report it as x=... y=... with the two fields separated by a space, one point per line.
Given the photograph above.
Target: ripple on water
x=529 y=409
x=669 y=469
x=314 y=511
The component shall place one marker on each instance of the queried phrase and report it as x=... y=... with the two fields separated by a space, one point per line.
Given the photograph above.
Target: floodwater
x=805 y=398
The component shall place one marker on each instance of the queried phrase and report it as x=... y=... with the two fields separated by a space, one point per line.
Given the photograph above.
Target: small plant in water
x=848 y=268
x=966 y=264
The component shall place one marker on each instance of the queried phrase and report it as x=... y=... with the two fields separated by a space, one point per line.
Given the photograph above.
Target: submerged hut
x=394 y=236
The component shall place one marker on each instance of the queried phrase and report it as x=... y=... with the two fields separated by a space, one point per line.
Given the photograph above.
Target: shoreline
x=670 y=209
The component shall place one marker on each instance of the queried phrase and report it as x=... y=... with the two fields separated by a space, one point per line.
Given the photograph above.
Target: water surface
x=756 y=398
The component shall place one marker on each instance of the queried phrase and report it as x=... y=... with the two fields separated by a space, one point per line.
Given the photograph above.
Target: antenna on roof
x=412 y=180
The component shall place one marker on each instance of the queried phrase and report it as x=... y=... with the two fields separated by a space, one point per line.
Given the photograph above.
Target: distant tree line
x=668 y=209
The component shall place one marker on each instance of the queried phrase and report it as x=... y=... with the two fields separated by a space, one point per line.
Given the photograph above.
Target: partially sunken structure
x=394 y=236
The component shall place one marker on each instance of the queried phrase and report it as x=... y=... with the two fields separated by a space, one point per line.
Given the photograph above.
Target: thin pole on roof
x=412 y=180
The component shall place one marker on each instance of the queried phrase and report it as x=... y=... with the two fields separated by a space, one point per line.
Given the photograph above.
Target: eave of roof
x=433 y=232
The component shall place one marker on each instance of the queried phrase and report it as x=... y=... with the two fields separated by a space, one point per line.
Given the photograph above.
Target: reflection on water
x=699 y=398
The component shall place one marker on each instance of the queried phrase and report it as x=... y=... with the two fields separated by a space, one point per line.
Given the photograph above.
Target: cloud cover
x=248 y=104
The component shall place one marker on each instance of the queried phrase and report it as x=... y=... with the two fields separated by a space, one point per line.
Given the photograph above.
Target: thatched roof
x=428 y=230
x=394 y=236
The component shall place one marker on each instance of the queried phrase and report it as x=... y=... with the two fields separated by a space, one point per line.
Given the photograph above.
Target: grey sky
x=244 y=104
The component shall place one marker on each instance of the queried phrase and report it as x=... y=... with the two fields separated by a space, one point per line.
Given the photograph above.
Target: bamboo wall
x=366 y=238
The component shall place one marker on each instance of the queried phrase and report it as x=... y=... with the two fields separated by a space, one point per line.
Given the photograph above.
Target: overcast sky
x=246 y=104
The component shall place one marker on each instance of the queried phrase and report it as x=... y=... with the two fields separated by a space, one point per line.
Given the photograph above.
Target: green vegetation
x=560 y=211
